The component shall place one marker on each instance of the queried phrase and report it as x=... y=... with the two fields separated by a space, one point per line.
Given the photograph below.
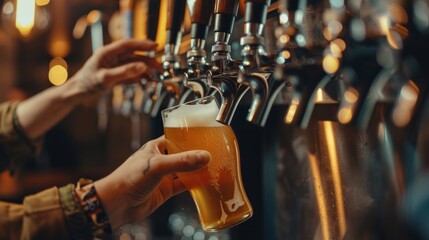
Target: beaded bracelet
x=93 y=208
x=74 y=214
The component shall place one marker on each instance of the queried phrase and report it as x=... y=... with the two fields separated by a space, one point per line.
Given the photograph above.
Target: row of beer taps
x=353 y=54
x=360 y=61
x=229 y=77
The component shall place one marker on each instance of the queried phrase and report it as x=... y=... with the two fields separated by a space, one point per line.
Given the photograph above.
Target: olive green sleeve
x=15 y=146
x=41 y=216
x=54 y=213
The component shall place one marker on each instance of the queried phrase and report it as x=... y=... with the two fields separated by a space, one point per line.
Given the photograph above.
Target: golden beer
x=217 y=189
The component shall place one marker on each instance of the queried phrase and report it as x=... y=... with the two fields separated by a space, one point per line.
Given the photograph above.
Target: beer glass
x=217 y=189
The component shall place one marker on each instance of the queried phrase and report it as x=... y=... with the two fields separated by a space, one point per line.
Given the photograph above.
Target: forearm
x=41 y=112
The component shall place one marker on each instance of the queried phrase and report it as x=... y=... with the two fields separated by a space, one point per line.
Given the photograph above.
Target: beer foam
x=203 y=115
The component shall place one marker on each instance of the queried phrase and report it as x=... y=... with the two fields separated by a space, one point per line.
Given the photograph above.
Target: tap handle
x=175 y=16
x=289 y=5
x=256 y=11
x=225 y=13
x=127 y=18
x=226 y=7
x=201 y=12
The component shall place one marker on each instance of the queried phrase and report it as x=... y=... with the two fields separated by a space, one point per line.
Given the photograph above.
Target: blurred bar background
x=327 y=99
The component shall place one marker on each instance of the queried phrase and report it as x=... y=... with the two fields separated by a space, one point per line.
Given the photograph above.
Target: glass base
x=218 y=226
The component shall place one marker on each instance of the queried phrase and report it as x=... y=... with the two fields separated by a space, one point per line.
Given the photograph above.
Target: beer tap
x=410 y=113
x=300 y=59
x=171 y=83
x=127 y=91
x=391 y=80
x=201 y=12
x=257 y=67
x=149 y=83
x=362 y=69
x=223 y=75
x=412 y=101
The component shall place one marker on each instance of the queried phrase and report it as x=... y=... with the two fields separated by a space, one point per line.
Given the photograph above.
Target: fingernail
x=154 y=44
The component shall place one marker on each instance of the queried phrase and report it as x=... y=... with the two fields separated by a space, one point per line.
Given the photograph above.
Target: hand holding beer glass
x=217 y=189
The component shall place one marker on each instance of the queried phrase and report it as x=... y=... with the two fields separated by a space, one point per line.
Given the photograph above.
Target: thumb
x=180 y=162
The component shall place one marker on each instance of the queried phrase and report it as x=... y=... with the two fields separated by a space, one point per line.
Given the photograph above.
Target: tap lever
x=231 y=92
x=175 y=17
x=255 y=16
x=201 y=12
x=225 y=14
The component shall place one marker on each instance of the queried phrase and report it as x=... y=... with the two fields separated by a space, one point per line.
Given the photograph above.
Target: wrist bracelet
x=74 y=214
x=93 y=208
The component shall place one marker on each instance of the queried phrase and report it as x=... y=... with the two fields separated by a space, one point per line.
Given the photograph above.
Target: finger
x=150 y=61
x=129 y=45
x=178 y=186
x=169 y=187
x=131 y=81
x=179 y=162
x=124 y=72
x=162 y=144
x=159 y=143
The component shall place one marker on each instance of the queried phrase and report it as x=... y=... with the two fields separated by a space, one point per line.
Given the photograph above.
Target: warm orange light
x=345 y=115
x=320 y=96
x=25 y=15
x=285 y=54
x=340 y=43
x=330 y=64
x=57 y=61
x=58 y=71
x=42 y=2
x=351 y=95
x=140 y=19
x=336 y=176
x=59 y=43
x=284 y=39
x=397 y=13
x=117 y=97
x=59 y=47
x=161 y=35
x=404 y=108
x=320 y=196
x=80 y=27
x=292 y=110
x=335 y=50
x=384 y=24
x=327 y=34
x=394 y=39
x=93 y=16
x=58 y=75
x=335 y=27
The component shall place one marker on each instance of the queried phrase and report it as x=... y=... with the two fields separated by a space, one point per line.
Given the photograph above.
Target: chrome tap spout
x=231 y=92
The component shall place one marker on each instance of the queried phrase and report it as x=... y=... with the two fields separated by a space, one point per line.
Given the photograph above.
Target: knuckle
x=156 y=166
x=132 y=70
x=151 y=144
x=102 y=74
x=184 y=160
x=99 y=51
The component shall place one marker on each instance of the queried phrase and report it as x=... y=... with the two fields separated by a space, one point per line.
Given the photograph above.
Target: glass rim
x=198 y=100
